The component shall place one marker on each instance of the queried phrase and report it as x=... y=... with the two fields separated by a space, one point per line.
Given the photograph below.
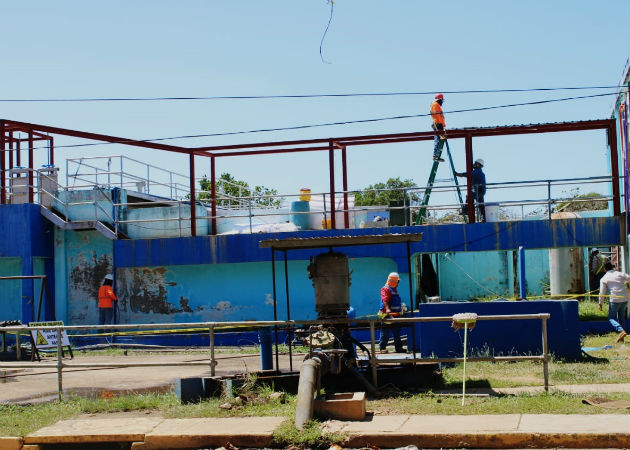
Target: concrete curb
x=11 y=443
x=491 y=440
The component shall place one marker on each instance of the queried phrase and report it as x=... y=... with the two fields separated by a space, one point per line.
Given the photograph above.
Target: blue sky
x=78 y=49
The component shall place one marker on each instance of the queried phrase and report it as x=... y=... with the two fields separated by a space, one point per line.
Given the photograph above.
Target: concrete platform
x=431 y=431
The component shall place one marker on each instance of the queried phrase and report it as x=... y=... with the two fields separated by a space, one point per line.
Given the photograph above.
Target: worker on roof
x=438 y=125
x=106 y=301
x=391 y=306
x=478 y=180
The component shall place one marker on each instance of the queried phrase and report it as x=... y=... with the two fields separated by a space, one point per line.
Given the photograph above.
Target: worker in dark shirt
x=478 y=179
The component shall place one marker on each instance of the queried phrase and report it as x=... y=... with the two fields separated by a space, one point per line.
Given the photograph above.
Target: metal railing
x=212 y=327
x=255 y=208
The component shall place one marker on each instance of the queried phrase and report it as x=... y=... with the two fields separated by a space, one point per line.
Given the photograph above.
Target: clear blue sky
x=118 y=48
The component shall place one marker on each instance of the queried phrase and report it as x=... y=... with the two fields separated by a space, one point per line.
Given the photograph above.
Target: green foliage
x=230 y=191
x=310 y=437
x=383 y=193
x=583 y=202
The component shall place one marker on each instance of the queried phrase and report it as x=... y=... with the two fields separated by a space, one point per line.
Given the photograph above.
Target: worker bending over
x=438 y=125
x=478 y=179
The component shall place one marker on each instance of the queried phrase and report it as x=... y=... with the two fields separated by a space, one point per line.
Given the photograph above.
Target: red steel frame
x=41 y=133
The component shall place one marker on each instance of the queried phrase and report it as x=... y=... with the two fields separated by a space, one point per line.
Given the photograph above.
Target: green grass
x=554 y=403
x=589 y=311
x=611 y=366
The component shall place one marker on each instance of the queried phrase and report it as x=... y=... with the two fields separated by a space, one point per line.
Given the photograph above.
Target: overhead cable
x=296 y=96
x=346 y=122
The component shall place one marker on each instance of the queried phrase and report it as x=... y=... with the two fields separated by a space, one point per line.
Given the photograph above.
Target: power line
x=347 y=122
x=296 y=96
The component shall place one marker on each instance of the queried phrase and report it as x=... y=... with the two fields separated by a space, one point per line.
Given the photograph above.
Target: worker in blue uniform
x=478 y=179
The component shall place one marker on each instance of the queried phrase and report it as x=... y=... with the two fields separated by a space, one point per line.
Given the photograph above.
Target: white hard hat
x=109 y=276
x=480 y=162
x=393 y=275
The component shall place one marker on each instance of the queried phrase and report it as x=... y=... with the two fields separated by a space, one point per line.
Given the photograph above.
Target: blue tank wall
x=82 y=259
x=25 y=249
x=501 y=337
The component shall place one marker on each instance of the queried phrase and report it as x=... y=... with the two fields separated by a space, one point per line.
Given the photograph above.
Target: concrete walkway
x=430 y=431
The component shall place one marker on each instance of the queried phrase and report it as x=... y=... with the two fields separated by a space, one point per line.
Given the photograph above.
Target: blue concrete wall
x=82 y=259
x=590 y=232
x=233 y=292
x=27 y=236
x=10 y=290
x=501 y=337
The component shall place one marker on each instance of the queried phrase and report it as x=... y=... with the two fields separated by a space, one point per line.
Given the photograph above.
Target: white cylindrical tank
x=566 y=266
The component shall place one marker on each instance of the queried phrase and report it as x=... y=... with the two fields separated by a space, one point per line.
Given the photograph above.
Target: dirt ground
x=27 y=385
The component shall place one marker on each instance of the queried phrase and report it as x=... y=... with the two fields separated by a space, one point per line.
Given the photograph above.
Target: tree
x=383 y=193
x=234 y=193
x=583 y=202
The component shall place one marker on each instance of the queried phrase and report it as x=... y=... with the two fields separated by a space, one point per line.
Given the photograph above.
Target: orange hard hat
x=439 y=97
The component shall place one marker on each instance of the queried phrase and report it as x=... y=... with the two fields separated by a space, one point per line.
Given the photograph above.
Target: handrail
x=288 y=324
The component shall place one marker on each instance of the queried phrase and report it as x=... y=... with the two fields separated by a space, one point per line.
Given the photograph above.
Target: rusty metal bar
x=344 y=166
x=193 y=210
x=469 y=167
x=10 y=151
x=213 y=194
x=18 y=153
x=3 y=191
x=24 y=126
x=331 y=167
x=614 y=168
x=31 y=163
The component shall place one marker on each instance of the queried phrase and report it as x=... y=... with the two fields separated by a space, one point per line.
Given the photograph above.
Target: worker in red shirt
x=106 y=299
x=391 y=306
x=438 y=125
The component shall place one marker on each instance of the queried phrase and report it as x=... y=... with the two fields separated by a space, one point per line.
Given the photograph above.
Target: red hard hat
x=439 y=97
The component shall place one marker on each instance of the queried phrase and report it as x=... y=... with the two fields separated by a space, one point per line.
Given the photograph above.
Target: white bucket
x=492 y=212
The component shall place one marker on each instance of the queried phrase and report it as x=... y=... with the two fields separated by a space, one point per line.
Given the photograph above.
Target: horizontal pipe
x=288 y=323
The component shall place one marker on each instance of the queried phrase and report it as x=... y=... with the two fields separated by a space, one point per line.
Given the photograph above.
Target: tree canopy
x=383 y=193
x=234 y=193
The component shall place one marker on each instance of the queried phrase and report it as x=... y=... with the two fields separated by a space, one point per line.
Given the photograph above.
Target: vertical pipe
x=411 y=303
x=331 y=167
x=286 y=288
x=464 y=369
x=614 y=168
x=213 y=362
x=549 y=199
x=275 y=304
x=344 y=165
x=469 y=167
x=545 y=354
x=193 y=211
x=59 y=365
x=51 y=151
x=213 y=194
x=373 y=353
x=3 y=192
x=522 y=284
x=31 y=167
x=18 y=152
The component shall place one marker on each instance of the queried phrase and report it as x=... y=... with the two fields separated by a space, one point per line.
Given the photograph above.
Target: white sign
x=48 y=338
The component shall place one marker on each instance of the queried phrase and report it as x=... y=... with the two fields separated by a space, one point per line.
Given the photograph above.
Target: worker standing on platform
x=615 y=283
x=106 y=299
x=439 y=125
x=478 y=179
x=391 y=306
